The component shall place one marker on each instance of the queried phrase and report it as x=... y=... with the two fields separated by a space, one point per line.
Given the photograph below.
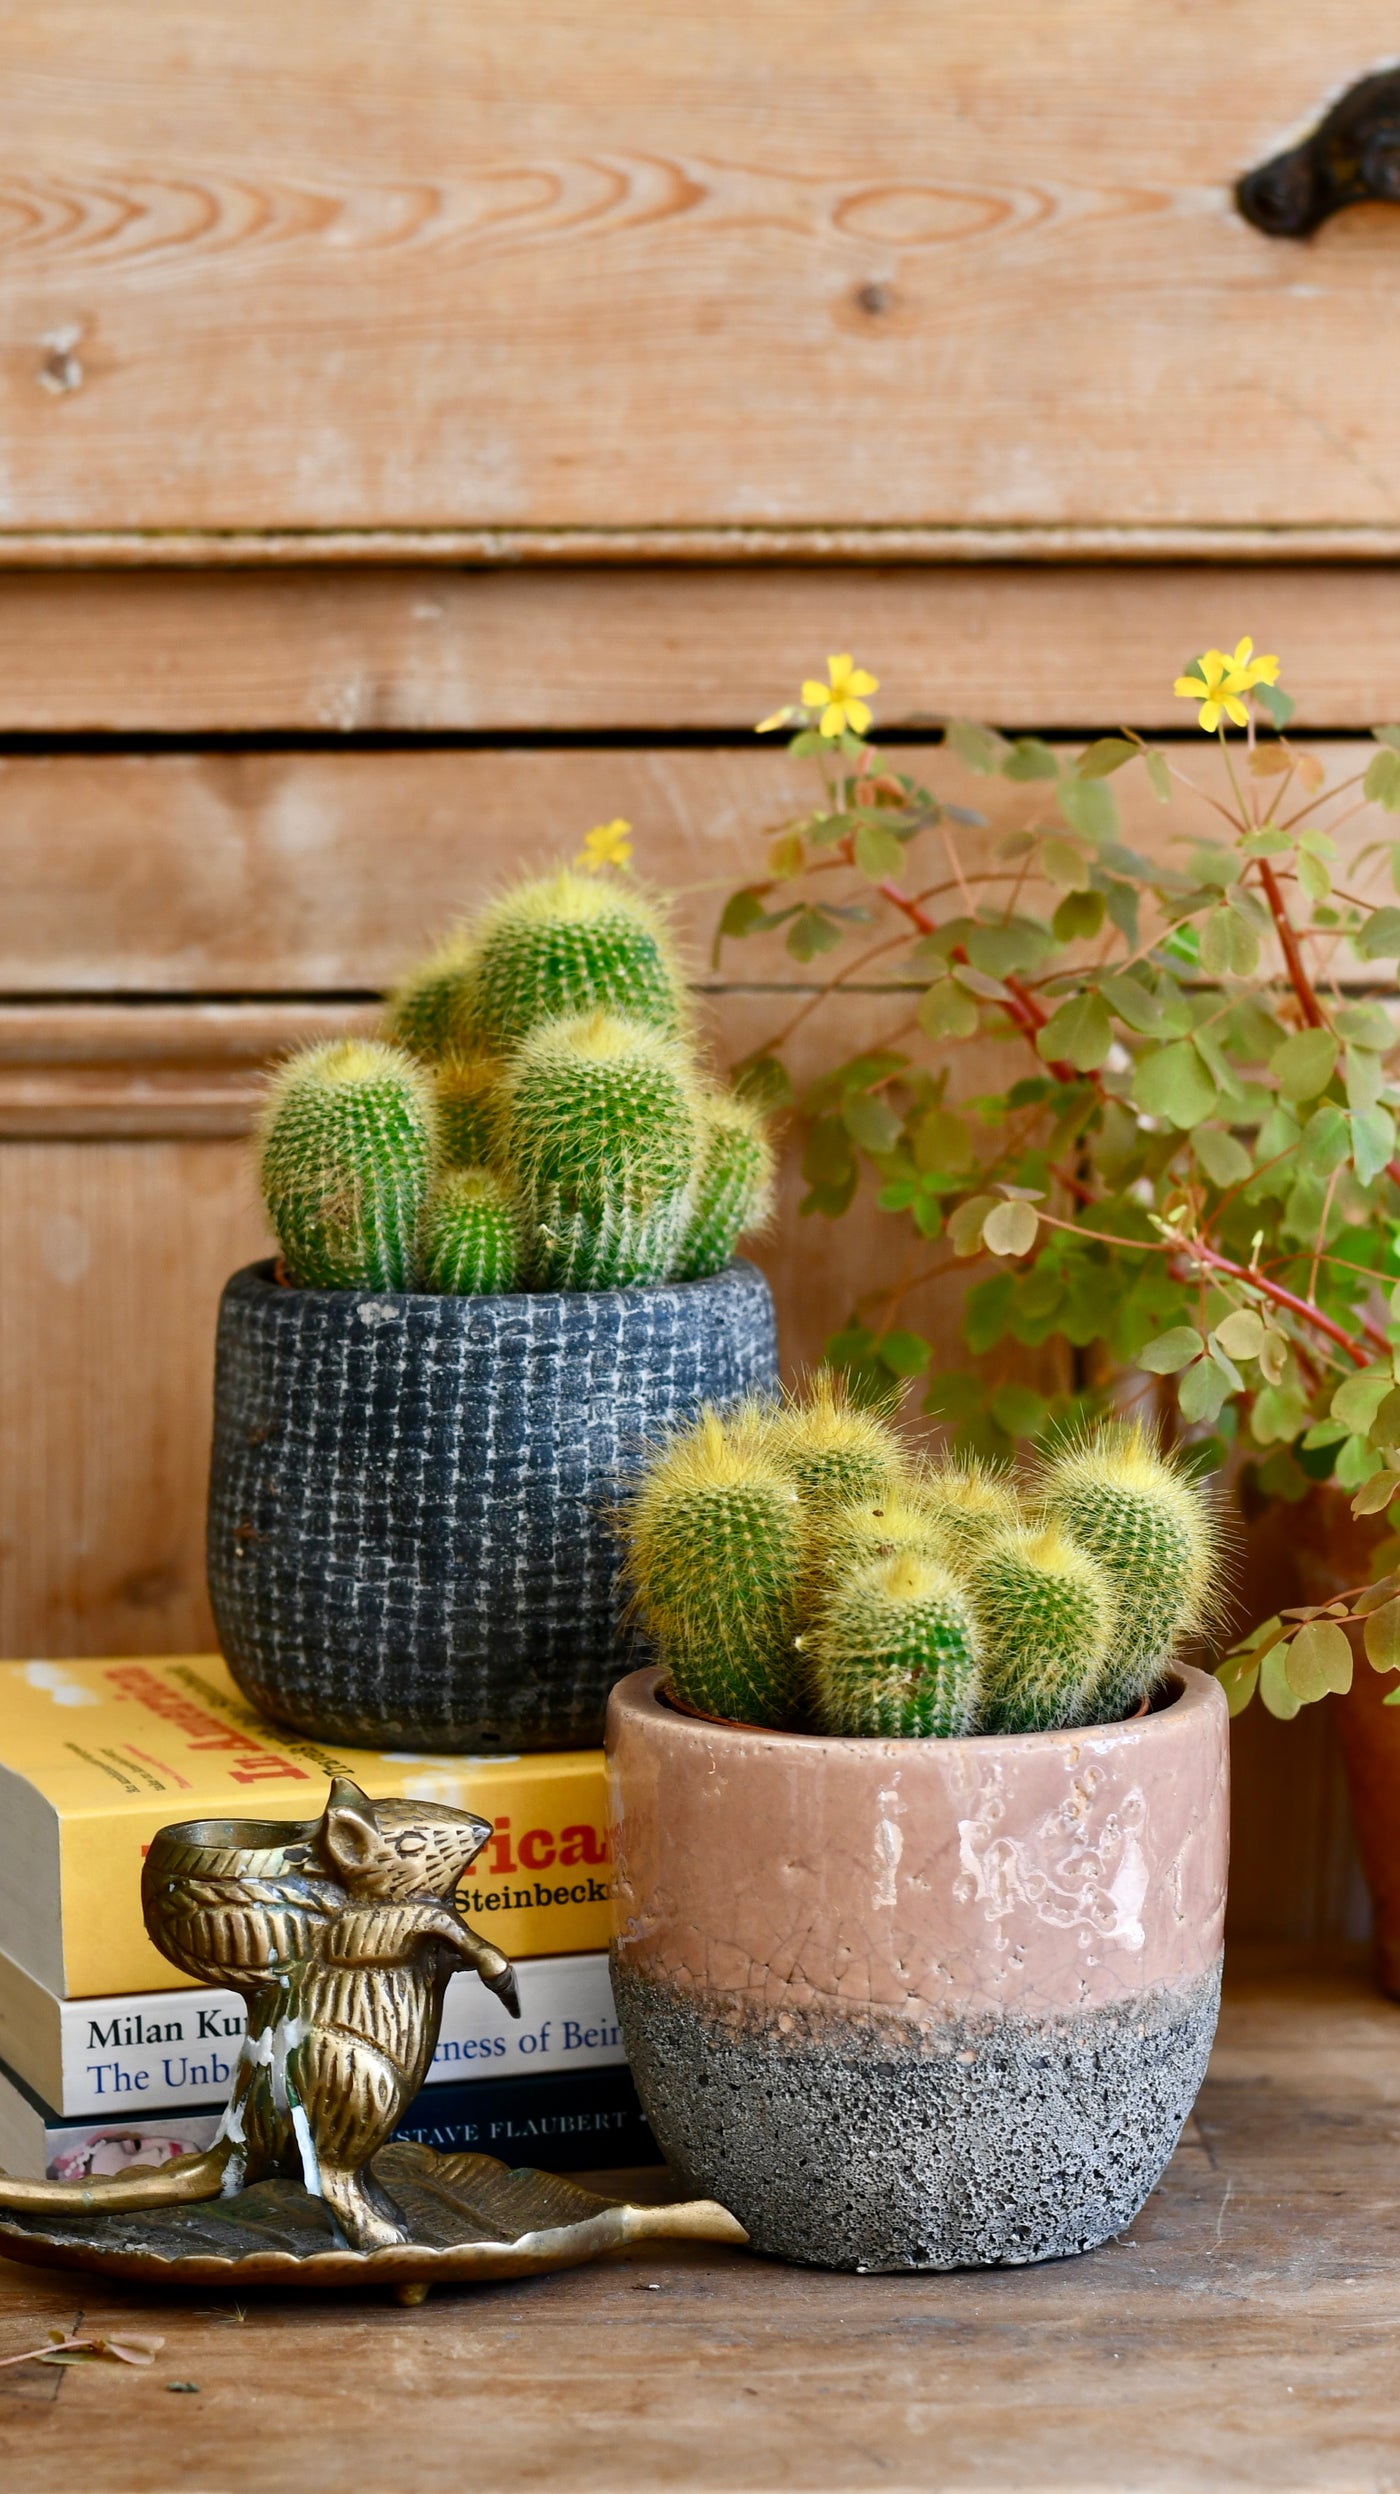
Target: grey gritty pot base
x=412 y=1498
x=850 y=2142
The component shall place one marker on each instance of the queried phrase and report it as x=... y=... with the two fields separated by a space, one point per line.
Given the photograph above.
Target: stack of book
x=108 y=2055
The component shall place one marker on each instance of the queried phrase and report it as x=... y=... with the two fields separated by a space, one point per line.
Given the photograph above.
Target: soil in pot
x=920 y=2004
x=411 y=1539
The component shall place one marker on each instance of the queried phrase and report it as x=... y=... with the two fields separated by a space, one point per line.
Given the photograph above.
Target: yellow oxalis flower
x=1219 y=681
x=607 y=844
x=841 y=702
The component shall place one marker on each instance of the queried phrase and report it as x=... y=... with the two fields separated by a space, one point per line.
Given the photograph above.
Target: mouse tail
x=502 y=1982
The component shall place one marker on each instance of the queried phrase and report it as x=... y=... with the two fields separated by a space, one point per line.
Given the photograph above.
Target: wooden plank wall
x=375 y=266
x=330 y=652
x=185 y=900
x=426 y=431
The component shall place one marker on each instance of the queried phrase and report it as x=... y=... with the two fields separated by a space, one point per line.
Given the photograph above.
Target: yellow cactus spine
x=860 y=1530
x=733 y=1191
x=427 y=1012
x=895 y=1653
x=565 y=944
x=714 y=1554
x=470 y=1238
x=348 y=1145
x=968 y=1501
x=599 y=1132
x=1136 y=1512
x=832 y=1449
x=469 y=1098
x=1046 y=1614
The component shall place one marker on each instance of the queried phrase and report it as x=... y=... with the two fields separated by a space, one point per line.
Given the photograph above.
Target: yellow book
x=96 y=1756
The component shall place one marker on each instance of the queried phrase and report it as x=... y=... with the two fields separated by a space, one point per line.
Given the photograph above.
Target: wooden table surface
x=1242 y=2333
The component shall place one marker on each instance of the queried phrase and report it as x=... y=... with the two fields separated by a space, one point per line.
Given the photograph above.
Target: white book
x=144 y=2052
x=34 y=2143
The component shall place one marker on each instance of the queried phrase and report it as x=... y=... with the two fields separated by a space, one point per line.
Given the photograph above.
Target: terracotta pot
x=919 y=2004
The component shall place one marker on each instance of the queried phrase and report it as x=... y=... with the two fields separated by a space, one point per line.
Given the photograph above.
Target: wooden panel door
x=778 y=269
x=179 y=909
x=427 y=429
x=332 y=652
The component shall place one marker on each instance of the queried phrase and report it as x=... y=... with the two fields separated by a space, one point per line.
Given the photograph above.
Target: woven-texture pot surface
x=412 y=1506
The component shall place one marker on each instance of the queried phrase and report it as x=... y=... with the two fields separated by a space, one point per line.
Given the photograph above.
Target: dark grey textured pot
x=411 y=1540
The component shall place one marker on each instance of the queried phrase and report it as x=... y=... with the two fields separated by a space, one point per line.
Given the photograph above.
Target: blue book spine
x=562 y=2120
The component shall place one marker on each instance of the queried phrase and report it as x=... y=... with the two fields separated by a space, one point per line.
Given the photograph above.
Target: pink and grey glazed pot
x=919 y=2004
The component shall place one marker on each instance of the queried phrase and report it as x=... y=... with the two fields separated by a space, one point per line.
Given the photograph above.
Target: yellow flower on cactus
x=1219 y=681
x=841 y=702
x=607 y=844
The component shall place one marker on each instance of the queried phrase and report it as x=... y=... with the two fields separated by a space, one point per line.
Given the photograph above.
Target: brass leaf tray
x=470 y=2218
x=342 y=1934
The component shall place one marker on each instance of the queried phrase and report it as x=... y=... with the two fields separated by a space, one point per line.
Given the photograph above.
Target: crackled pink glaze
x=1037 y=1874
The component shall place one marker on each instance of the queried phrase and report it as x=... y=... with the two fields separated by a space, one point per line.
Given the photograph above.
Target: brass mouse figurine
x=341 y=1934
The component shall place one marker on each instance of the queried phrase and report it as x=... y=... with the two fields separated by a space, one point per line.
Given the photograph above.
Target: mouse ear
x=350 y=1835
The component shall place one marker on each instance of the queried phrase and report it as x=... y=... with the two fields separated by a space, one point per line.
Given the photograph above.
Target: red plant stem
x=1302 y=985
x=1031 y=1007
x=1211 y=1256
x=1030 y=1016
x=917 y=917
x=1026 y=1010
x=1074 y=1186
x=1196 y=1250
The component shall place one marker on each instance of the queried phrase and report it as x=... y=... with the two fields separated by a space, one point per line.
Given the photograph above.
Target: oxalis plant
x=1194 y=1172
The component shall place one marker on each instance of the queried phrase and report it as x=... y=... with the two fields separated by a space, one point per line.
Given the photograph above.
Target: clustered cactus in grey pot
x=508 y=1230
